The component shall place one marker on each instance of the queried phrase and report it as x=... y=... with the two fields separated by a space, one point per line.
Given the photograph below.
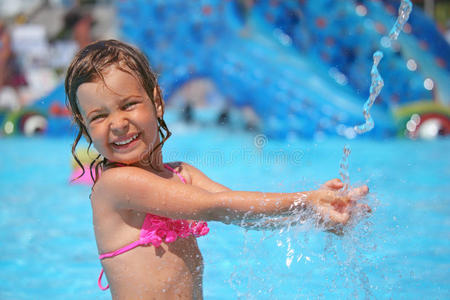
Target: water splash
x=348 y=252
x=295 y=250
x=352 y=266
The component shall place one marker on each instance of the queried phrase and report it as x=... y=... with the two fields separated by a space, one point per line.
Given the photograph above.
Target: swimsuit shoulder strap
x=176 y=172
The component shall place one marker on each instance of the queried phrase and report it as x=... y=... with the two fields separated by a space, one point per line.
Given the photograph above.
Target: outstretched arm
x=137 y=189
x=345 y=208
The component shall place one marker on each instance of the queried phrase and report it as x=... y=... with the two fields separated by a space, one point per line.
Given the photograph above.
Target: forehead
x=116 y=85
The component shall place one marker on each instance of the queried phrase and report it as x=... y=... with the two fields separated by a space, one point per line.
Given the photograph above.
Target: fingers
x=358 y=192
x=332 y=217
x=336 y=222
x=336 y=207
x=338 y=212
x=338 y=217
x=332 y=198
x=335 y=184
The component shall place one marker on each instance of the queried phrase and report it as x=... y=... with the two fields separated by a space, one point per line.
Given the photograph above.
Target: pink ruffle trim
x=157 y=229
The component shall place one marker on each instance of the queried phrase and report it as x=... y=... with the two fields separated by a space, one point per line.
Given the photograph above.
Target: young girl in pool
x=147 y=214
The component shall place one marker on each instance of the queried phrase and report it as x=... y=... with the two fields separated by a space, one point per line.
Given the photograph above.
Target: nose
x=119 y=124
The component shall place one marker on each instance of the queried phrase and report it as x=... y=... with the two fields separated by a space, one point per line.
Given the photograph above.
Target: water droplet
x=361 y=10
x=411 y=64
x=428 y=84
x=289 y=261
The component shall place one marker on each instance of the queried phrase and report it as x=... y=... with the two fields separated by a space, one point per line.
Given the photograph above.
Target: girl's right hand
x=336 y=206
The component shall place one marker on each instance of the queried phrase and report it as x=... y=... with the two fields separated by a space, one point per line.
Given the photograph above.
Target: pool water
x=402 y=251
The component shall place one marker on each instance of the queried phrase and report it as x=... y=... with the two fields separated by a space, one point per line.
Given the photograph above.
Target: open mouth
x=127 y=143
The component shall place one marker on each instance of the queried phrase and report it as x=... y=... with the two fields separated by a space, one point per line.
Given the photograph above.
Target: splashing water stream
x=376 y=86
x=348 y=254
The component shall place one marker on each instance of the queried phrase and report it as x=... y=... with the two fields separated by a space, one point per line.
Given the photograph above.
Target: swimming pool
x=402 y=251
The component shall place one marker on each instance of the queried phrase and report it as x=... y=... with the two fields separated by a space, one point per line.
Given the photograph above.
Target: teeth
x=126 y=141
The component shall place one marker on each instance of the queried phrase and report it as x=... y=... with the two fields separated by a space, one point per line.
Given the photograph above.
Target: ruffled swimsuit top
x=157 y=229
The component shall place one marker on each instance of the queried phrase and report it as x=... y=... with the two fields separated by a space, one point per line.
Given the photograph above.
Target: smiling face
x=119 y=116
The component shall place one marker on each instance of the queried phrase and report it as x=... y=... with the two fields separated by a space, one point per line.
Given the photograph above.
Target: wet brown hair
x=88 y=65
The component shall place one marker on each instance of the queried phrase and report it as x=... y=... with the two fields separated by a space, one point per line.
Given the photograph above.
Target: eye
x=97 y=117
x=130 y=104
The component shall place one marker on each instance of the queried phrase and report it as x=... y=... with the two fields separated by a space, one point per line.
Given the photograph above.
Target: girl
x=146 y=213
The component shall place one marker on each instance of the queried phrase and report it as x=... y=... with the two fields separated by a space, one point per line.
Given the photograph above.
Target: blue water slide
x=286 y=85
x=250 y=64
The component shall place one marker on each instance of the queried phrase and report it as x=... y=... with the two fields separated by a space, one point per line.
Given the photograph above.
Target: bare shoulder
x=115 y=182
x=136 y=189
x=113 y=176
x=102 y=194
x=198 y=178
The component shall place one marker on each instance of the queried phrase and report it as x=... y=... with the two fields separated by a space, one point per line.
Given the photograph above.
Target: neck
x=153 y=163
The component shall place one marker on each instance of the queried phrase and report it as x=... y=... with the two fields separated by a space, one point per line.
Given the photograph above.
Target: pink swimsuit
x=157 y=229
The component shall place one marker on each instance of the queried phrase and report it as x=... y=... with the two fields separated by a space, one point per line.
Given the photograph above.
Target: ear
x=159 y=102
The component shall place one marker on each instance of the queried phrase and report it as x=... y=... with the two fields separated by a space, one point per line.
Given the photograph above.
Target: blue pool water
x=48 y=251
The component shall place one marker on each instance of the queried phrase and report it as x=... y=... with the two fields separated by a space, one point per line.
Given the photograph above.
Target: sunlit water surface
x=402 y=251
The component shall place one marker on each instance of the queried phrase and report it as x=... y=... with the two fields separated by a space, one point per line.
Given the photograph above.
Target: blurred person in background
x=80 y=26
x=11 y=75
x=75 y=34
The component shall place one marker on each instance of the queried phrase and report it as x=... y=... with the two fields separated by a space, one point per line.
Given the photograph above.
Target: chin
x=140 y=159
x=127 y=161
